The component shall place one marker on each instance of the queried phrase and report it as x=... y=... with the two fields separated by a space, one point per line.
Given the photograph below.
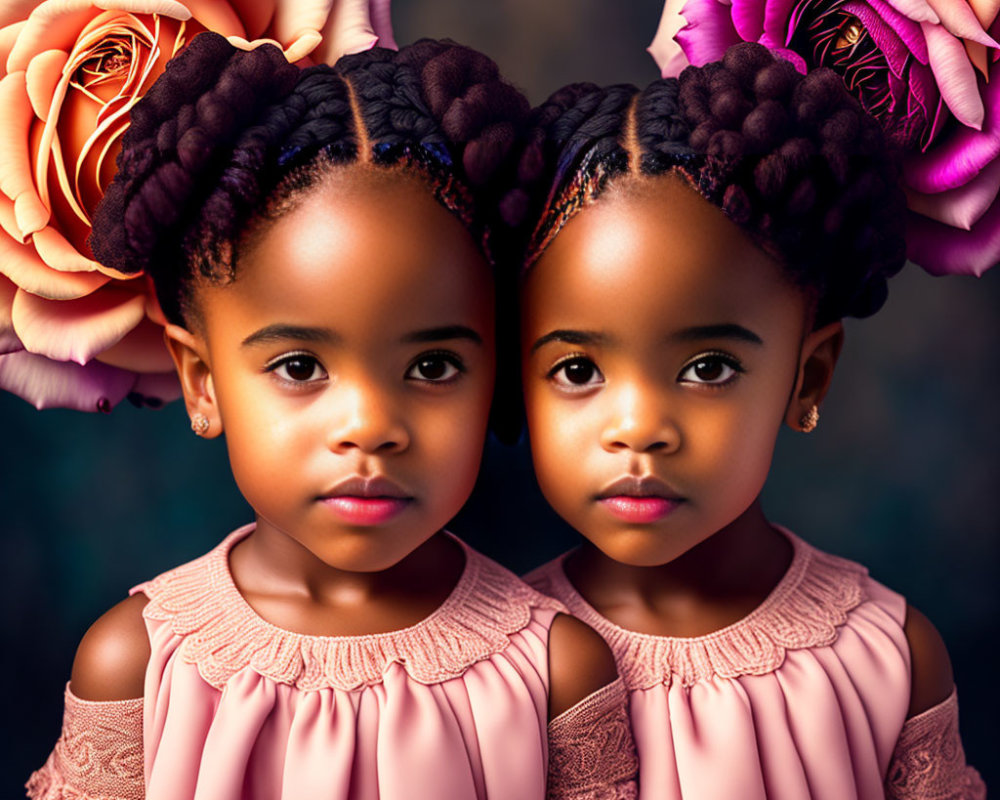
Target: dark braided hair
x=790 y=158
x=227 y=139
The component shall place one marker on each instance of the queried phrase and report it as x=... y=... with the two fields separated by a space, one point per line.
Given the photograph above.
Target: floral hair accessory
x=73 y=332
x=928 y=70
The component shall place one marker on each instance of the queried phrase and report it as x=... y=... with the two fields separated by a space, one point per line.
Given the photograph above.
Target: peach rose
x=74 y=333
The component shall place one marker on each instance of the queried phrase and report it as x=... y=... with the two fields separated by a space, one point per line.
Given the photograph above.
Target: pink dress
x=806 y=697
x=455 y=706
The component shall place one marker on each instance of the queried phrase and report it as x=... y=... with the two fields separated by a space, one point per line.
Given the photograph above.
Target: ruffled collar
x=222 y=634
x=805 y=609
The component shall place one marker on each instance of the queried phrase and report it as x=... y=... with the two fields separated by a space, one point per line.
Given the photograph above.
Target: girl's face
x=660 y=352
x=350 y=365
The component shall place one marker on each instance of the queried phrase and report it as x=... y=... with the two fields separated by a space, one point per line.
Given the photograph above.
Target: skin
x=660 y=344
x=313 y=384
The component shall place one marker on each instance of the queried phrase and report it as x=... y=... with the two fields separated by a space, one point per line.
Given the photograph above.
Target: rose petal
x=53 y=248
x=382 y=23
x=950 y=251
x=777 y=17
x=52 y=25
x=15 y=161
x=348 y=30
x=709 y=32
x=9 y=343
x=140 y=350
x=957 y=159
x=895 y=35
x=21 y=264
x=157 y=388
x=748 y=18
x=255 y=15
x=41 y=78
x=955 y=76
x=961 y=207
x=664 y=48
x=978 y=56
x=986 y=11
x=216 y=16
x=961 y=21
x=293 y=17
x=917 y=10
x=12 y=11
x=57 y=384
x=76 y=330
x=8 y=35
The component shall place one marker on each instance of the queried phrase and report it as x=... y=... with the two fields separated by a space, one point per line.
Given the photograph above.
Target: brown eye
x=435 y=368
x=577 y=372
x=715 y=370
x=298 y=368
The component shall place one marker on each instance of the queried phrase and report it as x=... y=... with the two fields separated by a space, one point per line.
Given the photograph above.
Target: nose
x=368 y=421
x=640 y=421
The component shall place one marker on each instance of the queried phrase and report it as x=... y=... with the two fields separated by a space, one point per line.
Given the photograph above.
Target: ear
x=818 y=357
x=190 y=356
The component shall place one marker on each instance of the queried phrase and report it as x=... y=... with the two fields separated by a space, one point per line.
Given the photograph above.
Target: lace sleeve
x=591 y=752
x=98 y=755
x=929 y=762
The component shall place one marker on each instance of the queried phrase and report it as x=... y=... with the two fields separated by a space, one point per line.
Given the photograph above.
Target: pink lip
x=639 y=509
x=639 y=499
x=366 y=510
x=366 y=501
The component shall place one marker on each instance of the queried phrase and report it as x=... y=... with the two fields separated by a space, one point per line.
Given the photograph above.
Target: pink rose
x=74 y=333
x=926 y=69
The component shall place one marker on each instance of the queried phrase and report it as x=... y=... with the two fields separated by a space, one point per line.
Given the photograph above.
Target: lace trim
x=591 y=752
x=929 y=762
x=98 y=756
x=223 y=634
x=805 y=609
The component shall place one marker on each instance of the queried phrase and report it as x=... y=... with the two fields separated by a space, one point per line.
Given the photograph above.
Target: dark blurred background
x=902 y=473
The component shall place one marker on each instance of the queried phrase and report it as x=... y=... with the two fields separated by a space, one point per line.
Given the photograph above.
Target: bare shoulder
x=111 y=660
x=930 y=667
x=580 y=663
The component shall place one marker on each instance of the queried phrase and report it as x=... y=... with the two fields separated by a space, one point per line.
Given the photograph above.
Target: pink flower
x=74 y=333
x=926 y=69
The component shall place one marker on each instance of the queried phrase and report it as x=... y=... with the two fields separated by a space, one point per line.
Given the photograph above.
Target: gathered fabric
x=235 y=708
x=805 y=697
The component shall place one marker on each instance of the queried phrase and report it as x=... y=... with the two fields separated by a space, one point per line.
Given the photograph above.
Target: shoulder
x=580 y=663
x=111 y=660
x=930 y=668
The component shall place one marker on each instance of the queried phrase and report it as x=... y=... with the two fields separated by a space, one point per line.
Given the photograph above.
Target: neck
x=747 y=557
x=271 y=562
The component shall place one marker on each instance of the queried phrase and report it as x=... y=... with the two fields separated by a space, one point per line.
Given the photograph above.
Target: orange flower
x=74 y=333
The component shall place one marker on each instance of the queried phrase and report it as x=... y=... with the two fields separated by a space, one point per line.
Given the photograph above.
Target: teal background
x=902 y=473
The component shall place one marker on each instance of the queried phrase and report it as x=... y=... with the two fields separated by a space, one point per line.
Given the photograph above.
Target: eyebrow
x=570 y=337
x=444 y=333
x=282 y=332
x=724 y=331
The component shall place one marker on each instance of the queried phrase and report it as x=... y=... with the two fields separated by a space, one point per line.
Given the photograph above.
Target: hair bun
x=182 y=131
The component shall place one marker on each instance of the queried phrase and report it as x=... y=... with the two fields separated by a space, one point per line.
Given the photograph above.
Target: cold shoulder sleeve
x=929 y=762
x=98 y=755
x=591 y=752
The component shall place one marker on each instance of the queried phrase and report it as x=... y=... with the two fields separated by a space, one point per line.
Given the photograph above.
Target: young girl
x=317 y=241
x=699 y=244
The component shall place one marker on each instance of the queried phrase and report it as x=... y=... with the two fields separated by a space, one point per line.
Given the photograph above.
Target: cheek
x=559 y=439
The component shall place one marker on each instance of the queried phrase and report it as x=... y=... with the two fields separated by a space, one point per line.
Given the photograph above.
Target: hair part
x=792 y=159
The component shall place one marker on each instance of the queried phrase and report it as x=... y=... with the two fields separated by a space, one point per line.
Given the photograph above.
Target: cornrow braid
x=794 y=160
x=197 y=177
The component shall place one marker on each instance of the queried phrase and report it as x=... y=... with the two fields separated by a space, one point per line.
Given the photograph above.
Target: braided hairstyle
x=227 y=139
x=792 y=159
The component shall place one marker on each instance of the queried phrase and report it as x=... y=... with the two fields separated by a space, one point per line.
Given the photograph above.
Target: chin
x=642 y=547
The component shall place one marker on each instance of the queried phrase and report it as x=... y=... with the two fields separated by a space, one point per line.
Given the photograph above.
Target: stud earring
x=200 y=423
x=809 y=420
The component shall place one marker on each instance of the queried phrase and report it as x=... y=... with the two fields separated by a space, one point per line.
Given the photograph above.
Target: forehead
x=363 y=244
x=652 y=249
